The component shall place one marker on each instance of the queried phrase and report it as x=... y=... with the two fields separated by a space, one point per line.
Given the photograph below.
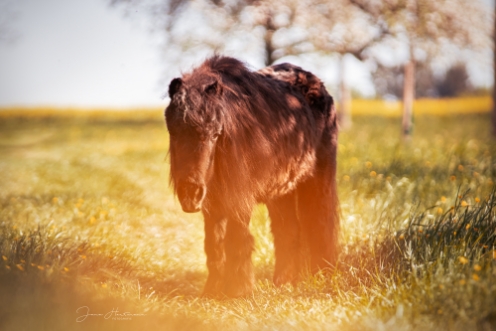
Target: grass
x=87 y=220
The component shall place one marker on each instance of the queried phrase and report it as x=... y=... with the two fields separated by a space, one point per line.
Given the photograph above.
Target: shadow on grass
x=29 y=303
x=47 y=283
x=52 y=256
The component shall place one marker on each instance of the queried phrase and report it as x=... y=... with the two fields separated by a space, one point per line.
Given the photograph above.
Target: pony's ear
x=212 y=88
x=174 y=86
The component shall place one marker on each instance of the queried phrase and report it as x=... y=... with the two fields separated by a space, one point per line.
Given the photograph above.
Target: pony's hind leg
x=318 y=205
x=319 y=218
x=285 y=228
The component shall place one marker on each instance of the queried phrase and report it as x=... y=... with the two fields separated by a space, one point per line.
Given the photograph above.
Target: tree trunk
x=269 y=32
x=344 y=109
x=494 y=84
x=408 y=96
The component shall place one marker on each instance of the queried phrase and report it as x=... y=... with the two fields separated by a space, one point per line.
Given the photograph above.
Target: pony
x=240 y=137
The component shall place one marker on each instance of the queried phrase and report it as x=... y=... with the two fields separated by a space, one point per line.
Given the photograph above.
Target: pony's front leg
x=239 y=244
x=215 y=231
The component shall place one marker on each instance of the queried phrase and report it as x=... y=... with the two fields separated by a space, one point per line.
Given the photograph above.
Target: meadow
x=91 y=237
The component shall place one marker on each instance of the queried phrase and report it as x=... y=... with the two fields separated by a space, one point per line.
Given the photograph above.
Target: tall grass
x=87 y=220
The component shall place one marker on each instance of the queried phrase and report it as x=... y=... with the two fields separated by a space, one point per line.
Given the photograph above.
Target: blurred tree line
x=389 y=81
x=400 y=38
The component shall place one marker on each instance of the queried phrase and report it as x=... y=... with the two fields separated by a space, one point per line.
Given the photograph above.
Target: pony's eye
x=215 y=136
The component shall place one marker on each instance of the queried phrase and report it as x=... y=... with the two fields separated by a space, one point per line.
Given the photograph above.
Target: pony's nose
x=191 y=196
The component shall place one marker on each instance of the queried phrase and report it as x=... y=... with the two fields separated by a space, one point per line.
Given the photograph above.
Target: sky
x=76 y=53
x=84 y=53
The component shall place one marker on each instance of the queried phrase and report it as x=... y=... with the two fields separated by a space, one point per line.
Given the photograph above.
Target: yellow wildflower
x=463 y=260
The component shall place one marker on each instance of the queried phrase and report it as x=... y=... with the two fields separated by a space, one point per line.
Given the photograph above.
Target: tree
x=425 y=27
x=341 y=27
x=455 y=82
x=279 y=27
x=274 y=25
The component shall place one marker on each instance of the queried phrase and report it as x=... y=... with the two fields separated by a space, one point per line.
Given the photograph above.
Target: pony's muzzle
x=191 y=196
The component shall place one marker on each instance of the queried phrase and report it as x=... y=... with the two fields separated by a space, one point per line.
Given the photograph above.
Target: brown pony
x=238 y=138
